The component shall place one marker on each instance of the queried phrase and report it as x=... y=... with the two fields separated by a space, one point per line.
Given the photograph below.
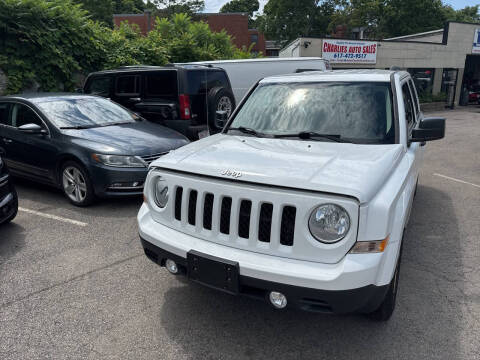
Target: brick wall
x=235 y=24
x=144 y=21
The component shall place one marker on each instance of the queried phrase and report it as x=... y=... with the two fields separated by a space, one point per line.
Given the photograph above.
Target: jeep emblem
x=232 y=173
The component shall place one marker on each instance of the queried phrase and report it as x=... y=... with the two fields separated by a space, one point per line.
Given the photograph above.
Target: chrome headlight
x=161 y=192
x=329 y=223
x=120 y=160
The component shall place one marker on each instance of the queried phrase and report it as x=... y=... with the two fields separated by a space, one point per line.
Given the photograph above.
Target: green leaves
x=48 y=43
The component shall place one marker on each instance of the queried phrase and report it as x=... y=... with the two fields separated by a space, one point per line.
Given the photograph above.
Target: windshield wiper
x=78 y=127
x=310 y=135
x=247 y=130
x=117 y=123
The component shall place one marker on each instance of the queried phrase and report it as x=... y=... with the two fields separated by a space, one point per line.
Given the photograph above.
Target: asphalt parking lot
x=74 y=283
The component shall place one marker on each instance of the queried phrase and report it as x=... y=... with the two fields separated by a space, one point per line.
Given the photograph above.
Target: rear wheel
x=219 y=99
x=76 y=184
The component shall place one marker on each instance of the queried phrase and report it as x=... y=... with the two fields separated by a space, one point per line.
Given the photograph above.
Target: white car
x=244 y=73
x=303 y=198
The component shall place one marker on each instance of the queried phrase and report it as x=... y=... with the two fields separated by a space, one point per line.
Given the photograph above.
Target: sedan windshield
x=84 y=112
x=326 y=111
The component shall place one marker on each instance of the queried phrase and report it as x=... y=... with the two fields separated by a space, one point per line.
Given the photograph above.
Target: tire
x=72 y=174
x=219 y=99
x=386 y=308
x=11 y=217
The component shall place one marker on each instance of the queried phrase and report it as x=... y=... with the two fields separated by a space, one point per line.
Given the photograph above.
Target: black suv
x=182 y=97
x=8 y=195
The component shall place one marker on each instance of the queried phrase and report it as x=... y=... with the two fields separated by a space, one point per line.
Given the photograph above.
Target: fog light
x=171 y=266
x=277 y=299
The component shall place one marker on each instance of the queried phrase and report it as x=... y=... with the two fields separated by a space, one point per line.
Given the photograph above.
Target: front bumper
x=111 y=181
x=350 y=285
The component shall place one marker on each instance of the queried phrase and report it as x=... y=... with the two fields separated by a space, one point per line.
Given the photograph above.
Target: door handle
x=7 y=141
x=135 y=99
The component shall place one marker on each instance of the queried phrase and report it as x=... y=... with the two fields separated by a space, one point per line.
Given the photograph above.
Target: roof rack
x=127 y=67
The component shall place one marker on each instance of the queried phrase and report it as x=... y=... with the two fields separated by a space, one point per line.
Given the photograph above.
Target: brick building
x=235 y=24
x=145 y=21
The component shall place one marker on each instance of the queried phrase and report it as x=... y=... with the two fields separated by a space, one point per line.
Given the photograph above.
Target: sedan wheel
x=76 y=185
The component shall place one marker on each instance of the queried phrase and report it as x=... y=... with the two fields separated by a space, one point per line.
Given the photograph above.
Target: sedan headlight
x=161 y=192
x=120 y=160
x=329 y=223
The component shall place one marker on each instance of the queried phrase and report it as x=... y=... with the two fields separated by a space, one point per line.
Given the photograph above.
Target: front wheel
x=76 y=184
x=386 y=308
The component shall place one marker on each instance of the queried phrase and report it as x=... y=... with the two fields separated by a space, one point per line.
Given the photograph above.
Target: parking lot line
x=53 y=217
x=457 y=180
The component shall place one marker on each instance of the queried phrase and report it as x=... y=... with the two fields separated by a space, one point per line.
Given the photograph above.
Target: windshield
x=84 y=112
x=359 y=112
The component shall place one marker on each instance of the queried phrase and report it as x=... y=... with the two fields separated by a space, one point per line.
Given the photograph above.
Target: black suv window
x=99 y=86
x=4 y=110
x=217 y=79
x=128 y=85
x=162 y=84
x=202 y=81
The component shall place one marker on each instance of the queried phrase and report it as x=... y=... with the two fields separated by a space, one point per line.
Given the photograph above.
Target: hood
x=138 y=138
x=340 y=168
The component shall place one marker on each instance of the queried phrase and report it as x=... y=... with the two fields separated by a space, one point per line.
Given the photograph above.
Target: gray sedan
x=86 y=145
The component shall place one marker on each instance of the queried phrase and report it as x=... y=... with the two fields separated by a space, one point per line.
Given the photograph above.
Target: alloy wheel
x=74 y=184
x=225 y=104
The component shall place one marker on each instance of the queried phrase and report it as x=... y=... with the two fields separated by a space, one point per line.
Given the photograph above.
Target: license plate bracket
x=213 y=272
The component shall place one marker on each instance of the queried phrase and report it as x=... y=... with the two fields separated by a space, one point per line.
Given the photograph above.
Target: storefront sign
x=476 y=42
x=350 y=51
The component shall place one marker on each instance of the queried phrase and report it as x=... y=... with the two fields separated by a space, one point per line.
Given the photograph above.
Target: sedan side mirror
x=32 y=129
x=429 y=129
x=221 y=118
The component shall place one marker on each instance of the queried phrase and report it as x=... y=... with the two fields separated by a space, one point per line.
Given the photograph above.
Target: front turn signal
x=364 y=247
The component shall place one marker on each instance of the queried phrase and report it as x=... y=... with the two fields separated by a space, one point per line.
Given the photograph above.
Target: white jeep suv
x=302 y=199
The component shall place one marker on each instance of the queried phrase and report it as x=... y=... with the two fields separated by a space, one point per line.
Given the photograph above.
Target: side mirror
x=32 y=129
x=79 y=90
x=429 y=129
x=221 y=118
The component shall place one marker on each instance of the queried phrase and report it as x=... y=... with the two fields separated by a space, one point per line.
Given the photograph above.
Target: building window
x=254 y=38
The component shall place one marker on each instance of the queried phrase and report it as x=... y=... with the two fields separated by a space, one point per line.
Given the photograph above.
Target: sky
x=212 y=6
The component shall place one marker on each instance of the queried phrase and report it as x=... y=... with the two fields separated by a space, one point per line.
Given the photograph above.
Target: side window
x=409 y=110
x=99 y=86
x=161 y=84
x=414 y=96
x=4 y=112
x=23 y=115
x=128 y=85
x=217 y=79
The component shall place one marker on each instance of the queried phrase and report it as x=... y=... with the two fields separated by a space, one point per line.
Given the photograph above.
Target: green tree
x=128 y=6
x=387 y=18
x=50 y=42
x=467 y=14
x=99 y=10
x=167 y=8
x=289 y=19
x=47 y=42
x=186 y=40
x=242 y=6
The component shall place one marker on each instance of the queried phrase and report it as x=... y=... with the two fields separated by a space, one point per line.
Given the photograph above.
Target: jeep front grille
x=246 y=209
